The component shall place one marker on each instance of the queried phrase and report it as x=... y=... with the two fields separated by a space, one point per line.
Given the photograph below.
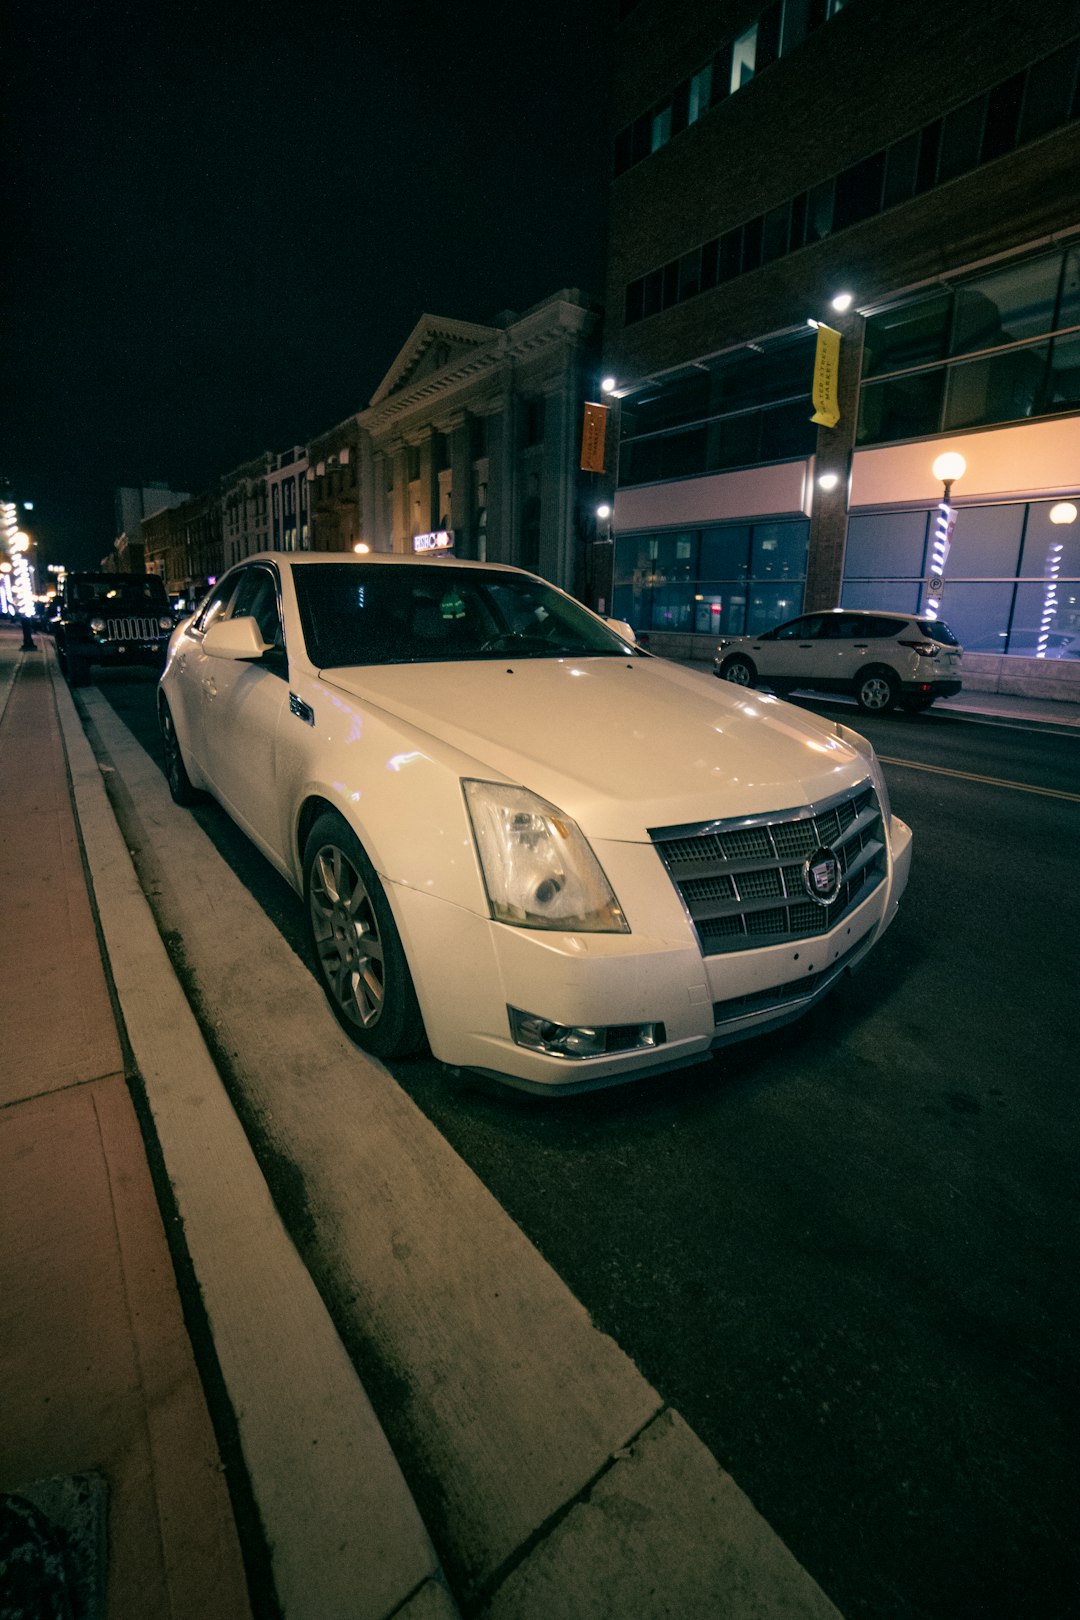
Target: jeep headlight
x=539 y=871
x=97 y=627
x=863 y=746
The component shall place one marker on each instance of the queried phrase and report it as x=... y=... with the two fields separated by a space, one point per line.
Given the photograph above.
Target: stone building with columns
x=767 y=158
x=476 y=430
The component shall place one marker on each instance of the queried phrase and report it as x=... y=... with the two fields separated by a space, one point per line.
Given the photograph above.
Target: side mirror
x=235 y=638
x=622 y=630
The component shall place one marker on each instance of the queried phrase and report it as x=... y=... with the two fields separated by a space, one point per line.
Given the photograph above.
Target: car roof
x=866 y=613
x=381 y=559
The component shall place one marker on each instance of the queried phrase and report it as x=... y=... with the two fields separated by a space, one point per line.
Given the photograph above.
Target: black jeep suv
x=111 y=619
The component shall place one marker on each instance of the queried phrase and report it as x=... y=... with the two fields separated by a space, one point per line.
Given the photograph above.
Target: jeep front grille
x=742 y=881
x=132 y=630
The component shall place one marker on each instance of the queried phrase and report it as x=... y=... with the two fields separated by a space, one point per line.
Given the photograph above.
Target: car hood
x=622 y=745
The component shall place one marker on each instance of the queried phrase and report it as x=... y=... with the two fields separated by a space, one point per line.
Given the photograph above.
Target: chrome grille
x=131 y=630
x=742 y=881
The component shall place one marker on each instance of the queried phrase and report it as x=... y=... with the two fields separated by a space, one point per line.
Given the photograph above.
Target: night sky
x=224 y=220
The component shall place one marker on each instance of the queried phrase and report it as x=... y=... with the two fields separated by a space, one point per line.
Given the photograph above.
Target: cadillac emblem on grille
x=821 y=875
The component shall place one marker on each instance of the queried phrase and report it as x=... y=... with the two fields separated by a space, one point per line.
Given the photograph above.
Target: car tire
x=877 y=690
x=355 y=944
x=181 y=786
x=739 y=671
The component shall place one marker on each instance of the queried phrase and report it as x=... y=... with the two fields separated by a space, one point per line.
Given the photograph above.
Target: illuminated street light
x=828 y=480
x=948 y=467
x=1064 y=512
x=843 y=302
x=608 y=385
x=603 y=512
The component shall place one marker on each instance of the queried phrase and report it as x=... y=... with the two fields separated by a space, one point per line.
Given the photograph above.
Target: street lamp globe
x=603 y=512
x=19 y=541
x=1063 y=512
x=949 y=467
x=607 y=385
x=842 y=302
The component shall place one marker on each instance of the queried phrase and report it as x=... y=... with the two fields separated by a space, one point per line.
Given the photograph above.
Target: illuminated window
x=743 y=55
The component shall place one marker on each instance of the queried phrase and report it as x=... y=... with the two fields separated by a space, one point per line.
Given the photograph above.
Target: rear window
x=871 y=624
x=936 y=630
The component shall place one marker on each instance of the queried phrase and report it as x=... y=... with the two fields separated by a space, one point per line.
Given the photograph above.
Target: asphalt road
x=847 y=1252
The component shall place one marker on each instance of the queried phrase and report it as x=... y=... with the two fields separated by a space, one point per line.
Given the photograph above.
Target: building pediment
x=433 y=345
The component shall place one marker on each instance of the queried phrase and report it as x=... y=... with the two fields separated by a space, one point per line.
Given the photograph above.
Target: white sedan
x=562 y=861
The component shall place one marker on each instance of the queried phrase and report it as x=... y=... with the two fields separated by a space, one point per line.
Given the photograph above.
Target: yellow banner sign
x=594 y=438
x=826 y=377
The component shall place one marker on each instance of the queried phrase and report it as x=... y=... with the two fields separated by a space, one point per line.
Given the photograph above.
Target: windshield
x=357 y=613
x=114 y=592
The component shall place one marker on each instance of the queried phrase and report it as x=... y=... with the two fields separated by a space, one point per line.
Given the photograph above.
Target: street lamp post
x=947 y=468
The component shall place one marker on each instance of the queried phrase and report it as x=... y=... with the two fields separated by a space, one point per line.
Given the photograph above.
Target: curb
x=345 y=1537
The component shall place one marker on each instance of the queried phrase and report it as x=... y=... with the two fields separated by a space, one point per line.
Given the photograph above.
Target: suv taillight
x=925 y=649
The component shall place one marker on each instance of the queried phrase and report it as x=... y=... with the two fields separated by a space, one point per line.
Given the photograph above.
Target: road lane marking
x=988 y=781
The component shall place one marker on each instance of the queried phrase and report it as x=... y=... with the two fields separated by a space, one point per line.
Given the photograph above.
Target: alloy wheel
x=347 y=938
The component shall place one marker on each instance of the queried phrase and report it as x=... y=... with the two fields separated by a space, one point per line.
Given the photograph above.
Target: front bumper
x=468 y=970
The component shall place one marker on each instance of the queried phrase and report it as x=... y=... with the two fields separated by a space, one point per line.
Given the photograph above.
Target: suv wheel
x=740 y=671
x=876 y=691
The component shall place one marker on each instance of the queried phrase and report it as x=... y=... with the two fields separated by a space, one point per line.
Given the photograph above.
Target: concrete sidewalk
x=97 y=1374
x=105 y=1427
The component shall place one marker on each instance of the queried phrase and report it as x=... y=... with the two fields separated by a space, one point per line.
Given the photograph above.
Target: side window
x=216 y=603
x=797 y=630
x=257 y=598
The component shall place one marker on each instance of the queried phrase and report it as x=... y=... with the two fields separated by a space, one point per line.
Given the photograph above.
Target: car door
x=244 y=703
x=789 y=656
x=185 y=684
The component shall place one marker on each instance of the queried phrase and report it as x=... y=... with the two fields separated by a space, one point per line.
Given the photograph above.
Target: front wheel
x=356 y=943
x=876 y=691
x=180 y=783
x=739 y=671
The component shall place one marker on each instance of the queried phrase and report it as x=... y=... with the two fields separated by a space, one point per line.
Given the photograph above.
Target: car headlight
x=863 y=746
x=538 y=869
x=97 y=626
x=164 y=623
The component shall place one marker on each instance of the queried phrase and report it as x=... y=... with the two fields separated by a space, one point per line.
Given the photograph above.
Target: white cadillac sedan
x=563 y=861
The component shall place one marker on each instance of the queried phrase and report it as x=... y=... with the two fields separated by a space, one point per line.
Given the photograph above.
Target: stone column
x=461 y=482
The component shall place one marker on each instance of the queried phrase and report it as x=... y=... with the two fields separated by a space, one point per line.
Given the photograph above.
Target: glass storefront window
x=977 y=613
x=779 y=551
x=986 y=542
x=889 y=543
x=697 y=580
x=771 y=604
x=725 y=552
x=1042 y=538
x=998 y=598
x=887 y=595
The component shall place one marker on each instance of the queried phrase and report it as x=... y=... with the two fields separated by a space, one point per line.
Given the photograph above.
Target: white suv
x=880 y=658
